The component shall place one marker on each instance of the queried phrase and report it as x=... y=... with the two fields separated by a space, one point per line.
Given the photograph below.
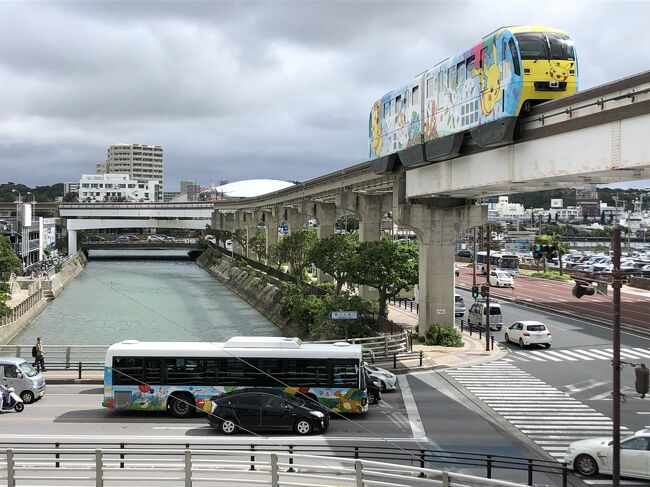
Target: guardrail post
x=492 y=345
x=67 y=357
x=480 y=332
x=470 y=328
x=358 y=473
x=565 y=479
x=530 y=471
x=17 y=351
x=291 y=458
x=421 y=357
x=99 y=469
x=121 y=455
x=11 y=478
x=79 y=370
x=252 y=457
x=394 y=360
x=445 y=479
x=462 y=325
x=188 y=467
x=488 y=462
x=57 y=456
x=356 y=453
x=385 y=345
x=422 y=453
x=274 y=470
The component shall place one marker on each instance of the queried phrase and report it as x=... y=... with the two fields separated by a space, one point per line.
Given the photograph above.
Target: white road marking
x=417 y=428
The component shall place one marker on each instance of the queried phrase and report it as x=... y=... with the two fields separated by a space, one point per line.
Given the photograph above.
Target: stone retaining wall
x=263 y=296
x=47 y=291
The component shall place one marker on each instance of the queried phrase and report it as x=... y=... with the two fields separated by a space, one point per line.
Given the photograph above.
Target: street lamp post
x=617 y=283
x=20 y=198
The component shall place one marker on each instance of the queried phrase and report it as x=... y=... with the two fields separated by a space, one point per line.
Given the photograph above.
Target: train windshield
x=538 y=45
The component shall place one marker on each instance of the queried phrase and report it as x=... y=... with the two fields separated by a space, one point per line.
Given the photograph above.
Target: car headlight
x=570 y=451
x=318 y=414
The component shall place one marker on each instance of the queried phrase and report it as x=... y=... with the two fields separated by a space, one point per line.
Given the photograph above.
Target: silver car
x=18 y=373
x=459 y=306
x=386 y=378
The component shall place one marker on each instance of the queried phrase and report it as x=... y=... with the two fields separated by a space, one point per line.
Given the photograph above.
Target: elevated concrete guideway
x=93 y=216
x=595 y=136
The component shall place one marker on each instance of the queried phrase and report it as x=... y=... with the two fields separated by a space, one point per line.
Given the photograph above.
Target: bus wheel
x=181 y=405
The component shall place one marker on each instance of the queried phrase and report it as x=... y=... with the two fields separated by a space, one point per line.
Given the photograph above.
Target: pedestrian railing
x=23 y=307
x=196 y=466
x=407 y=304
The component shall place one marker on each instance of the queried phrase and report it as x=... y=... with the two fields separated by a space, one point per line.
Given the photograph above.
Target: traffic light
x=537 y=252
x=642 y=380
x=485 y=291
x=475 y=292
x=582 y=289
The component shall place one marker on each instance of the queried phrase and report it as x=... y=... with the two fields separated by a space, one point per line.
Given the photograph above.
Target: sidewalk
x=472 y=353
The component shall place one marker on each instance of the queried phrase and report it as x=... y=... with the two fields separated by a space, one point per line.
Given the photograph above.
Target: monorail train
x=480 y=92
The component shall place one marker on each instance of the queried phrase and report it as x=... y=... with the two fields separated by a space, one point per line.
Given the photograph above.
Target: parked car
x=373 y=388
x=387 y=380
x=527 y=333
x=95 y=238
x=259 y=409
x=501 y=279
x=122 y=239
x=18 y=373
x=155 y=238
x=593 y=456
x=477 y=315
x=464 y=253
x=459 y=306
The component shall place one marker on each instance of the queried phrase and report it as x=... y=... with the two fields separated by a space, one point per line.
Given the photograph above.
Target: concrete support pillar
x=272 y=221
x=325 y=213
x=295 y=218
x=72 y=242
x=370 y=208
x=437 y=223
x=250 y=223
x=238 y=224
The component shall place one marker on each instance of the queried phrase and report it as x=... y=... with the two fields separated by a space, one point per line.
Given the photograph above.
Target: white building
x=142 y=162
x=108 y=187
x=504 y=209
x=566 y=214
x=72 y=187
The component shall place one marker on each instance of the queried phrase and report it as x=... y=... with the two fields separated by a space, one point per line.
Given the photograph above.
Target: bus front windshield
x=509 y=262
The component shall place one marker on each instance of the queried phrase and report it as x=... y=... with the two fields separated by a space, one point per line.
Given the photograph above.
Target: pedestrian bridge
x=95 y=216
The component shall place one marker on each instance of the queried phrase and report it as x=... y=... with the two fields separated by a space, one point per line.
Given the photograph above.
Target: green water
x=151 y=300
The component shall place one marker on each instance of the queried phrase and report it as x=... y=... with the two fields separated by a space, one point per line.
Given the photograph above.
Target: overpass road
x=635 y=304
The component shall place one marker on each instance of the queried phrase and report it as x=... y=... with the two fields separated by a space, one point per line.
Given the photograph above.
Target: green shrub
x=212 y=257
x=444 y=336
x=555 y=276
x=470 y=265
x=58 y=267
x=329 y=286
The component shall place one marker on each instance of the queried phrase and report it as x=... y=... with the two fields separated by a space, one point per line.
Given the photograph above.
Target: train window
x=451 y=77
x=415 y=95
x=460 y=70
x=532 y=45
x=561 y=47
x=386 y=109
x=398 y=104
x=515 y=57
x=429 y=87
x=471 y=65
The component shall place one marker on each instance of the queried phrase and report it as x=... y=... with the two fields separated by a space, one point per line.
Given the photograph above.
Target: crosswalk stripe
x=602 y=353
x=561 y=354
x=624 y=354
x=524 y=356
x=545 y=355
x=579 y=354
x=642 y=351
x=548 y=416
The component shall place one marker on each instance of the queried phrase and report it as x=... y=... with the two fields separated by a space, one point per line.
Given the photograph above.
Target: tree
x=390 y=267
x=239 y=236
x=71 y=197
x=258 y=244
x=333 y=256
x=295 y=249
x=9 y=261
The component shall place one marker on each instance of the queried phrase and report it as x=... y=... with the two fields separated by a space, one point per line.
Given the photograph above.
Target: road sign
x=343 y=315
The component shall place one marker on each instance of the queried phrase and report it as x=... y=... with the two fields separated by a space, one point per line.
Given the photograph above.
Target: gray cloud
x=234 y=90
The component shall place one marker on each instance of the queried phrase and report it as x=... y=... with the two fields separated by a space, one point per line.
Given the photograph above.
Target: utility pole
x=474 y=254
x=487 y=298
x=617 y=283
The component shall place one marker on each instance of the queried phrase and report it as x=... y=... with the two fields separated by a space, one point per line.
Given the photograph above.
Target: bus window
x=152 y=372
x=127 y=371
x=345 y=374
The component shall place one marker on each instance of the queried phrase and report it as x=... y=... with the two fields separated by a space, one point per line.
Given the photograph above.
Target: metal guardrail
x=146 y=464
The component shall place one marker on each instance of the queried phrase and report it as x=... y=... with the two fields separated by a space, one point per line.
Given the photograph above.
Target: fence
x=247 y=464
x=408 y=304
x=22 y=308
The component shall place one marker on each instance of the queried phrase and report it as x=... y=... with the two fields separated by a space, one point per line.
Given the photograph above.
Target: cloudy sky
x=236 y=90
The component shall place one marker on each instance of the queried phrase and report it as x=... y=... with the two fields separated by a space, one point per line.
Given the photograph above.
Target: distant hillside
x=41 y=193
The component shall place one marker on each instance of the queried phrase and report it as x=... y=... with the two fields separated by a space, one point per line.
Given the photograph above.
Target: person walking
x=40 y=356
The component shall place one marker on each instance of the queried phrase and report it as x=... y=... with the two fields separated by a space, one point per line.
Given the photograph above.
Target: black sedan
x=266 y=410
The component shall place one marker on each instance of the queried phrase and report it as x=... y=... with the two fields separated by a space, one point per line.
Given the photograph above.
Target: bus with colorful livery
x=180 y=377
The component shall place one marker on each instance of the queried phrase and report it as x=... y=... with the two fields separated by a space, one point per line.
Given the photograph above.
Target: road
x=562 y=394
x=635 y=307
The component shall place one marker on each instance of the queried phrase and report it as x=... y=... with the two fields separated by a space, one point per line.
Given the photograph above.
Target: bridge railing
x=123 y=465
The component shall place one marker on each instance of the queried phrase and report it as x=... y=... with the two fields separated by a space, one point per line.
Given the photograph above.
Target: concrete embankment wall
x=263 y=296
x=38 y=301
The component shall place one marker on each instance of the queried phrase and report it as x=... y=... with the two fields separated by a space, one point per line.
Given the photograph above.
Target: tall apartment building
x=141 y=162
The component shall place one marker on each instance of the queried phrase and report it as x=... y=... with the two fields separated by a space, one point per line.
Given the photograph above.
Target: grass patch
x=554 y=276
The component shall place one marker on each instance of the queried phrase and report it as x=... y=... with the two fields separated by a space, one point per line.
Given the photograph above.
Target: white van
x=18 y=373
x=477 y=315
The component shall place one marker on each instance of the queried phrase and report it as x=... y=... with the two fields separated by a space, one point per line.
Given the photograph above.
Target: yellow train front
x=479 y=93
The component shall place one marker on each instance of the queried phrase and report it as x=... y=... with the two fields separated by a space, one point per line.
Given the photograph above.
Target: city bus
x=502 y=261
x=175 y=376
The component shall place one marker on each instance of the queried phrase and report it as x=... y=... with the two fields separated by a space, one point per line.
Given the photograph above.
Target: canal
x=154 y=300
